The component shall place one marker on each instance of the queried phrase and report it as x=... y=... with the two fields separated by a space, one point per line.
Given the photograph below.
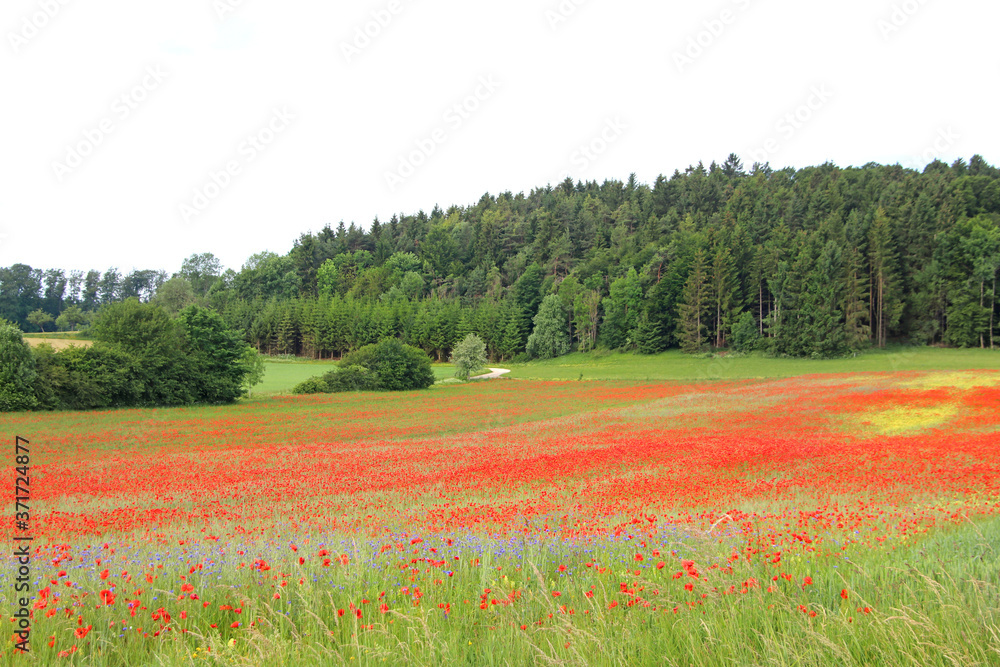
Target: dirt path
x=496 y=372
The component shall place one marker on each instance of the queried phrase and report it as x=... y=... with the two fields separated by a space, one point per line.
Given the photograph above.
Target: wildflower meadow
x=825 y=519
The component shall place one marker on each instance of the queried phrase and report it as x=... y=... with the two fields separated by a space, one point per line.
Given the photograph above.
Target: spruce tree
x=512 y=339
x=694 y=307
x=723 y=295
x=886 y=302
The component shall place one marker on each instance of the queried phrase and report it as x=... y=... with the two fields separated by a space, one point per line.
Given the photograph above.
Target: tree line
x=819 y=261
x=142 y=357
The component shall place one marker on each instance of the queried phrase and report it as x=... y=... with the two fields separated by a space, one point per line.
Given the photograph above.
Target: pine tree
x=694 y=306
x=723 y=295
x=309 y=329
x=286 y=334
x=649 y=336
x=653 y=333
x=760 y=294
x=821 y=304
x=513 y=341
x=856 y=329
x=465 y=325
x=794 y=337
x=886 y=303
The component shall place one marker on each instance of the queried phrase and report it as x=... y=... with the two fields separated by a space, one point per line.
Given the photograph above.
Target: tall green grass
x=936 y=602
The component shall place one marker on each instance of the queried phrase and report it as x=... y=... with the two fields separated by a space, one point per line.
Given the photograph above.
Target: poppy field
x=824 y=519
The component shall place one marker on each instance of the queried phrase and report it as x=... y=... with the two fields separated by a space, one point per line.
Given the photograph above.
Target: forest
x=816 y=262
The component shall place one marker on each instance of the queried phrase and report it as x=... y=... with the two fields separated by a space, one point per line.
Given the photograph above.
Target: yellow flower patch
x=900 y=420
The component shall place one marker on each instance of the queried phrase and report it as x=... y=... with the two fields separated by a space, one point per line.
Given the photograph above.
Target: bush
x=389 y=365
x=316 y=385
x=88 y=378
x=17 y=371
x=143 y=357
x=352 y=378
x=146 y=332
x=398 y=367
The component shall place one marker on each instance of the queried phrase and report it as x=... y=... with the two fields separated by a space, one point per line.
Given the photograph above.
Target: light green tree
x=175 y=295
x=39 y=318
x=201 y=271
x=468 y=356
x=253 y=362
x=70 y=318
x=983 y=247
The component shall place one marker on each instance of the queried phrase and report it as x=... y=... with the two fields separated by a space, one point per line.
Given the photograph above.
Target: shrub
x=352 y=378
x=17 y=371
x=146 y=332
x=88 y=378
x=398 y=367
x=315 y=385
x=143 y=357
x=388 y=365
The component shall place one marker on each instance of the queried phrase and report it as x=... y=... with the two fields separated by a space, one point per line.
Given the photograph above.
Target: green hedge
x=385 y=366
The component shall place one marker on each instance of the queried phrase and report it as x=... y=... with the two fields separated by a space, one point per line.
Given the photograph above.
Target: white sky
x=890 y=81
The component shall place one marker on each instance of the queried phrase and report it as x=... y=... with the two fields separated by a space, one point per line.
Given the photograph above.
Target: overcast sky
x=136 y=133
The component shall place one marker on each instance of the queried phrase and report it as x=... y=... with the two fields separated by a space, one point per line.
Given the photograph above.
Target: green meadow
x=675 y=365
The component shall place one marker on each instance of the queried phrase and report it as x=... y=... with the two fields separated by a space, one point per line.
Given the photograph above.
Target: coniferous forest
x=820 y=261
